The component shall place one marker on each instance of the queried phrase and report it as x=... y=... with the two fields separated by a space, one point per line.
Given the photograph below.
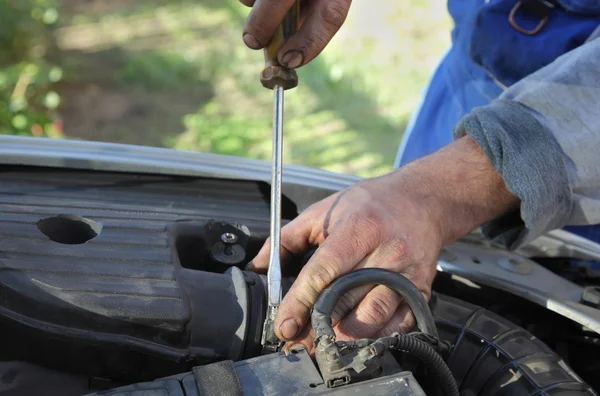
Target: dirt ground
x=113 y=114
x=94 y=106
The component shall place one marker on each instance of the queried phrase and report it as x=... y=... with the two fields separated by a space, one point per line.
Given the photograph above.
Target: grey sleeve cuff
x=530 y=161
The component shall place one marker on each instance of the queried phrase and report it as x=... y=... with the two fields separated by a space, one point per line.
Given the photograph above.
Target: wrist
x=458 y=188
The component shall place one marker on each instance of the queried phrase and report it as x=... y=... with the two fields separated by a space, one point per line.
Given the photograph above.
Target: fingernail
x=289 y=329
x=251 y=41
x=292 y=348
x=249 y=266
x=292 y=59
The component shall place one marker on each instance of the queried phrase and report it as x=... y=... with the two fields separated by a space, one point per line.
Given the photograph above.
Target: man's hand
x=398 y=222
x=319 y=22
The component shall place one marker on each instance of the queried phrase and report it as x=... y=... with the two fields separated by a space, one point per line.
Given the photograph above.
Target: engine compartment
x=112 y=279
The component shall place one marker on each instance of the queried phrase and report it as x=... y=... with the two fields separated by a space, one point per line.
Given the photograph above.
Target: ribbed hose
x=427 y=355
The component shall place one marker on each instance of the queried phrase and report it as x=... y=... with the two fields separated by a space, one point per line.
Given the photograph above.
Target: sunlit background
x=176 y=74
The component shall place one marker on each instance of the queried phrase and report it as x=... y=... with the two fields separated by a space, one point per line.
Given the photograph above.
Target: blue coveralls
x=486 y=56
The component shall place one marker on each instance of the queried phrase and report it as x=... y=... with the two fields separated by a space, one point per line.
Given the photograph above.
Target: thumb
x=305 y=339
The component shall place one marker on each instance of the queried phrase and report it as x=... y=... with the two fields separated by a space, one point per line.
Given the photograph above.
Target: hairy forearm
x=459 y=187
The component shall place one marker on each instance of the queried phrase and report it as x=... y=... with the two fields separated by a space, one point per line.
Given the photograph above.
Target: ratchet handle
x=274 y=73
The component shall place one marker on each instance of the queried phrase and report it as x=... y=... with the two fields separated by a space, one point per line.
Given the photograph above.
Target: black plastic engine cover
x=111 y=274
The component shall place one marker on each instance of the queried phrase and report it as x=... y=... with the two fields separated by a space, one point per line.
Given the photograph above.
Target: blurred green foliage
x=150 y=69
x=175 y=73
x=212 y=130
x=27 y=102
x=353 y=102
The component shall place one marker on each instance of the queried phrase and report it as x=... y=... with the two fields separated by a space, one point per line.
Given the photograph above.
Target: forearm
x=459 y=187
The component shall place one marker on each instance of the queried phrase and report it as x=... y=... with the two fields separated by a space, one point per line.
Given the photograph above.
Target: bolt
x=229 y=239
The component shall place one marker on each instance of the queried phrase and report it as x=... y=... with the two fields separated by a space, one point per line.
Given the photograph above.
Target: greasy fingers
x=402 y=321
x=265 y=17
x=305 y=338
x=371 y=315
x=336 y=256
x=348 y=302
x=322 y=22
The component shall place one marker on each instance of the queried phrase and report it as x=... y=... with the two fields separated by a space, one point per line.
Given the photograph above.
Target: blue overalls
x=494 y=45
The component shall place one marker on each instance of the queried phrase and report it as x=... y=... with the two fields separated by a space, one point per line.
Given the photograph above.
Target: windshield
x=177 y=74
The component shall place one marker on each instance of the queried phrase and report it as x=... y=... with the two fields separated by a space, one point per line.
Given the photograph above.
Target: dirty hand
x=398 y=222
x=319 y=19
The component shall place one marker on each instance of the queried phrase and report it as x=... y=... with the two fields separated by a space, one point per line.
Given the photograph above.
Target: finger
x=265 y=17
x=305 y=11
x=323 y=21
x=393 y=254
x=295 y=240
x=338 y=254
x=247 y=3
x=402 y=321
x=371 y=315
x=305 y=338
x=348 y=302
x=382 y=310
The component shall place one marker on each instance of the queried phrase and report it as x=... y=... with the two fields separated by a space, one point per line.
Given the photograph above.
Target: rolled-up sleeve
x=542 y=135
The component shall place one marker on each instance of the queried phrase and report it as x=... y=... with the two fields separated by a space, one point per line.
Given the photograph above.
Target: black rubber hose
x=321 y=314
x=425 y=353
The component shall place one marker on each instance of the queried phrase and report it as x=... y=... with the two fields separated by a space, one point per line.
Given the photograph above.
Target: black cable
x=321 y=322
x=426 y=354
x=321 y=314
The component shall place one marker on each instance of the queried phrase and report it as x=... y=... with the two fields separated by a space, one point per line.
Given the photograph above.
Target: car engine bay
x=122 y=283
